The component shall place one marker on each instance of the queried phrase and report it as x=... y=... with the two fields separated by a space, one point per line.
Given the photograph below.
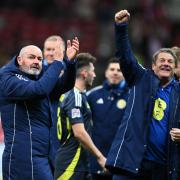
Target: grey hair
x=55 y=38
x=24 y=49
x=165 y=50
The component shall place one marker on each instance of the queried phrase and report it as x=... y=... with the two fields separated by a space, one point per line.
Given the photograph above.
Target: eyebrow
x=34 y=55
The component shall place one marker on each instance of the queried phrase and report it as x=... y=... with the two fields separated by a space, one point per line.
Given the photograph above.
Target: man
x=177 y=69
x=107 y=104
x=68 y=75
x=73 y=123
x=26 y=113
x=143 y=147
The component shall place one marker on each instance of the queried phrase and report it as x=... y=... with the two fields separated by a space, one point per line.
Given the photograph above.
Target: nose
x=51 y=52
x=36 y=60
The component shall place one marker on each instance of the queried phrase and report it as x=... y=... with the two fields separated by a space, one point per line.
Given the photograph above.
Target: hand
x=102 y=161
x=58 y=54
x=122 y=16
x=72 y=49
x=175 y=134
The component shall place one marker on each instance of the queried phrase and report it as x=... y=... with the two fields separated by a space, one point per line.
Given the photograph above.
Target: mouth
x=167 y=69
x=35 y=67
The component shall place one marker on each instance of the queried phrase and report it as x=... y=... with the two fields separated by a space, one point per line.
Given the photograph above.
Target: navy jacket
x=107 y=104
x=27 y=114
x=66 y=83
x=130 y=142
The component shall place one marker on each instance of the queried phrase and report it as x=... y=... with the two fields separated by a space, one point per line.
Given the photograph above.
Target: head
x=113 y=72
x=50 y=44
x=176 y=50
x=30 y=60
x=85 y=68
x=164 y=64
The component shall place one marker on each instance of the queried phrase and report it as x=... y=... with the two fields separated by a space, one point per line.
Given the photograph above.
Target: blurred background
x=154 y=24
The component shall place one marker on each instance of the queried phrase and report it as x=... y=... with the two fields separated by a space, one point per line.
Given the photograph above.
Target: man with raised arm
x=145 y=146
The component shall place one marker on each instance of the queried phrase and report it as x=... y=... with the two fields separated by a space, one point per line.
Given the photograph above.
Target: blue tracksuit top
x=26 y=114
x=107 y=103
x=130 y=143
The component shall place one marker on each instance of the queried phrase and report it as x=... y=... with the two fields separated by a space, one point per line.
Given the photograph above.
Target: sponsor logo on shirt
x=20 y=77
x=159 y=108
x=100 y=101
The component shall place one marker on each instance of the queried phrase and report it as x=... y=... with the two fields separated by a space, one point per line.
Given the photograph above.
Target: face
x=164 y=67
x=90 y=75
x=49 y=49
x=113 y=74
x=30 y=61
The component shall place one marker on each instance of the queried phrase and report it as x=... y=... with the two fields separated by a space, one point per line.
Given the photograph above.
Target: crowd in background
x=154 y=25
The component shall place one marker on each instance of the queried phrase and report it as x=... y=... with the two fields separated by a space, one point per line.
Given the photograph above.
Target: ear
x=105 y=74
x=19 y=60
x=84 y=73
x=153 y=66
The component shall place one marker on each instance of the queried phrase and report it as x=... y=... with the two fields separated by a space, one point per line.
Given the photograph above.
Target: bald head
x=30 y=48
x=30 y=60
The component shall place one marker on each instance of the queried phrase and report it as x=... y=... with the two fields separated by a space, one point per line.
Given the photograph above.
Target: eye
x=40 y=59
x=162 y=60
x=31 y=57
x=171 y=61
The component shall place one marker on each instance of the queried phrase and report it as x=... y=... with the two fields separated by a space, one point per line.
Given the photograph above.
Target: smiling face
x=164 y=66
x=52 y=44
x=113 y=73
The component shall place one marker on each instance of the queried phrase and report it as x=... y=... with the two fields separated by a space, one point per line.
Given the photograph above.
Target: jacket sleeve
x=67 y=80
x=132 y=71
x=16 y=87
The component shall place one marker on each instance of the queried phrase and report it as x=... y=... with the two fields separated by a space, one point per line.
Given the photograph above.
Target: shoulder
x=73 y=97
x=94 y=90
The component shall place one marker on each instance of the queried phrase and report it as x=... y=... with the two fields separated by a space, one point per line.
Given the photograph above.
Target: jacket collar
x=115 y=89
x=13 y=67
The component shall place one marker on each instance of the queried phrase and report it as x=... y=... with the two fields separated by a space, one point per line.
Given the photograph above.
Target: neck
x=79 y=84
x=164 y=83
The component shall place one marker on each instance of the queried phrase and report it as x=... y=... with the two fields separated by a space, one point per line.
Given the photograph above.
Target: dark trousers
x=149 y=171
x=96 y=176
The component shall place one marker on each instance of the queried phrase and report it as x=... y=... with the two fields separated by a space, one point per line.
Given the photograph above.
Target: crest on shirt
x=121 y=104
x=159 y=108
x=100 y=101
x=75 y=113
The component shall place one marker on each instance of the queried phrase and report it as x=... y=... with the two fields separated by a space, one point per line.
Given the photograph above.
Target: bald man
x=27 y=114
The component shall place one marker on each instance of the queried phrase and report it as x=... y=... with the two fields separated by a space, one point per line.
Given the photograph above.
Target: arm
x=67 y=80
x=81 y=134
x=132 y=71
x=74 y=106
x=14 y=87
